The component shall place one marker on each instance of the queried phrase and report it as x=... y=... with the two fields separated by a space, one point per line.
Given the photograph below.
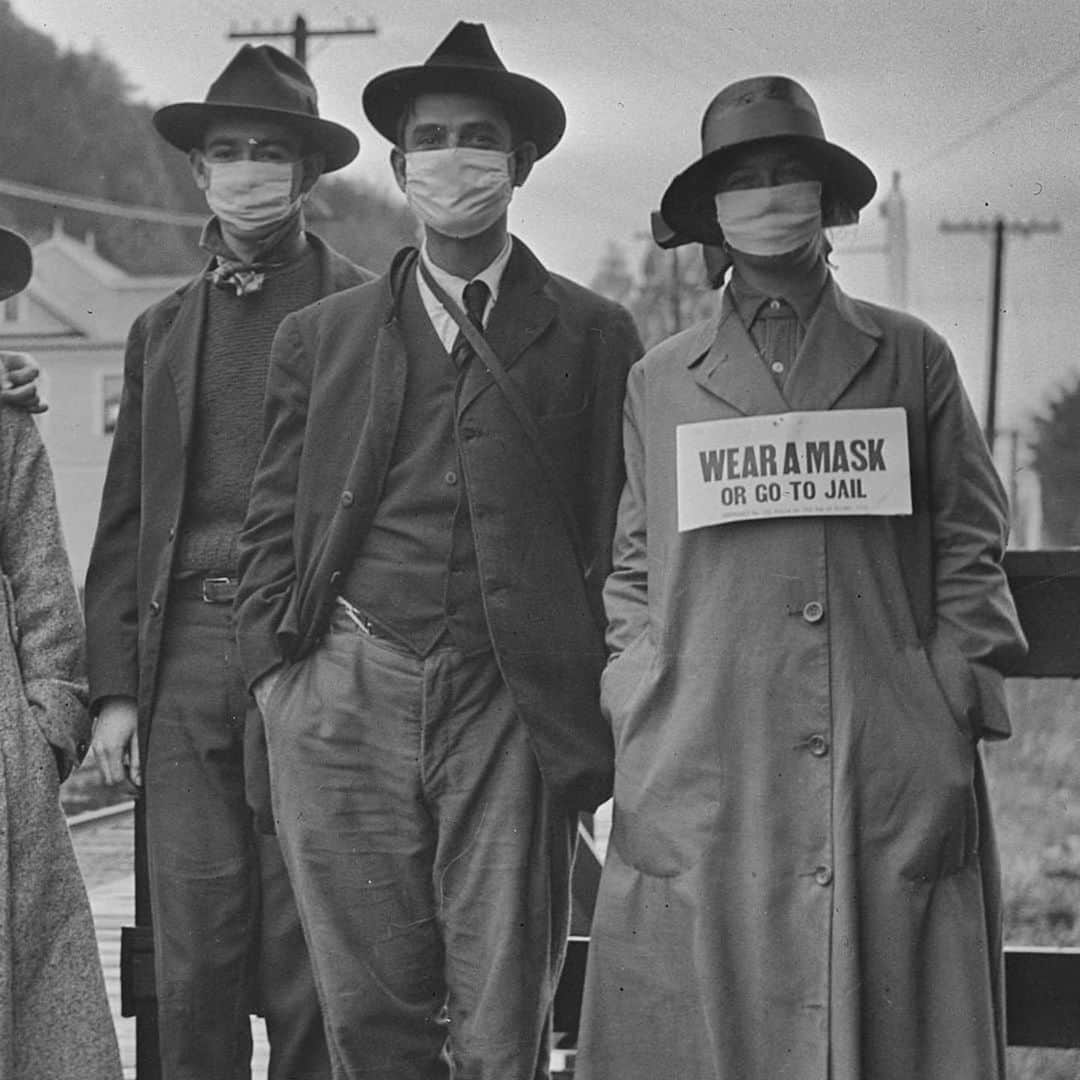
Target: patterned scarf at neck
x=246 y=278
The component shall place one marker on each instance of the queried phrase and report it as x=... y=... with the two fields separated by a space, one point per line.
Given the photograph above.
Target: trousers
x=227 y=936
x=431 y=869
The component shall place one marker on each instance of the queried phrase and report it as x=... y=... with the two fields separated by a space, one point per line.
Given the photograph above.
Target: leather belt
x=210 y=590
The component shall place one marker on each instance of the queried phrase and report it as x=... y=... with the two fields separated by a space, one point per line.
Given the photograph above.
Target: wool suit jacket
x=132 y=556
x=335 y=393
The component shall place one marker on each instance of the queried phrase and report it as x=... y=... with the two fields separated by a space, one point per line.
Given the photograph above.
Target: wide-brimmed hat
x=262 y=83
x=16 y=263
x=465 y=62
x=751 y=112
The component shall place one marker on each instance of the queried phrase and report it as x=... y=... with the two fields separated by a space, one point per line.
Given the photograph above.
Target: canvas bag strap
x=495 y=368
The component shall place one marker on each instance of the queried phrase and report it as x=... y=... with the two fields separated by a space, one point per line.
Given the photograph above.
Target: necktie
x=476 y=298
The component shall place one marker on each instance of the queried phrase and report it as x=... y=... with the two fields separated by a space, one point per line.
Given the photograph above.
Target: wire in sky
x=1041 y=90
x=100 y=206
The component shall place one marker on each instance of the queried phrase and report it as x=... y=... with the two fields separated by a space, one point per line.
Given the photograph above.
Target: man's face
x=441 y=121
x=770 y=164
x=244 y=139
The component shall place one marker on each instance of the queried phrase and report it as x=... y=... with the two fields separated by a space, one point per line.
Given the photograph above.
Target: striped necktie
x=476 y=298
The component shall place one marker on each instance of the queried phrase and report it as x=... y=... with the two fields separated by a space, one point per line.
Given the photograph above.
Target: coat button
x=450 y=477
x=172 y=534
x=155 y=608
x=823 y=875
x=346 y=498
x=818 y=745
x=813 y=612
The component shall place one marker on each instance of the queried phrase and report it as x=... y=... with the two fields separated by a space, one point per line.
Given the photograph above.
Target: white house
x=74 y=318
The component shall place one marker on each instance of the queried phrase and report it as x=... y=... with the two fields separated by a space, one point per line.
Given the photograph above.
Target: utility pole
x=301 y=34
x=999 y=227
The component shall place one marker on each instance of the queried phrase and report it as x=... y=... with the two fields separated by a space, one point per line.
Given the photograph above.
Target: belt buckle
x=211 y=583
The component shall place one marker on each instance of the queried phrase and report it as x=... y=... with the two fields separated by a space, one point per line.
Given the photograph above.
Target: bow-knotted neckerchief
x=229 y=272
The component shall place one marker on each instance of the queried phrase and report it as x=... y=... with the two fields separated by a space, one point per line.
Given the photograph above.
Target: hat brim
x=184 y=124
x=689 y=209
x=16 y=263
x=537 y=114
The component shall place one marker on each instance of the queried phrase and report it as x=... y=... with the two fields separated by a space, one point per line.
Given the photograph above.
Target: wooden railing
x=1042 y=985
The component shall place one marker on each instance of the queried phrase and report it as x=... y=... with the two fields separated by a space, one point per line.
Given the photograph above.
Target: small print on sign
x=798 y=464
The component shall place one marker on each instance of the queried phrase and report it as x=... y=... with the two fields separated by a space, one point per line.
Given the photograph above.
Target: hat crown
x=467 y=45
x=262 y=77
x=764 y=107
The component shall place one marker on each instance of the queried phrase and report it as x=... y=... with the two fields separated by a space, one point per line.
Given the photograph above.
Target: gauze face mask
x=770 y=220
x=251 y=196
x=458 y=191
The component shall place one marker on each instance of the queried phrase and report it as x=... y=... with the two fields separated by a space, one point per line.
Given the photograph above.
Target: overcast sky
x=975 y=102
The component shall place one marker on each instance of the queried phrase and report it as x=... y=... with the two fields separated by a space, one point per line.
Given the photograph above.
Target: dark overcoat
x=336 y=387
x=127 y=581
x=801 y=882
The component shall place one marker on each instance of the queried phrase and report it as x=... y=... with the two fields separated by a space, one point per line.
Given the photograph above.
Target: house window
x=111 y=388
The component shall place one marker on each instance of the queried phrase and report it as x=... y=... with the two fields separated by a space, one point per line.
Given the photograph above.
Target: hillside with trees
x=68 y=123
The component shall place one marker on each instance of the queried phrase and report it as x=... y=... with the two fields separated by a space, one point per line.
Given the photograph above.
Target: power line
x=999 y=227
x=1041 y=90
x=100 y=206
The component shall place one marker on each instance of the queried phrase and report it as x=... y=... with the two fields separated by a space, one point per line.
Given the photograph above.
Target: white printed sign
x=847 y=461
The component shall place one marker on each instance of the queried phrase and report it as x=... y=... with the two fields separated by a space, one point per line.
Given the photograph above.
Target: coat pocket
x=925 y=801
x=622 y=675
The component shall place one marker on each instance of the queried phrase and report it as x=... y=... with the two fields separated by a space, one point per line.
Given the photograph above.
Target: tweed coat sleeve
x=47 y=627
x=977 y=634
x=267 y=557
x=626 y=593
x=112 y=578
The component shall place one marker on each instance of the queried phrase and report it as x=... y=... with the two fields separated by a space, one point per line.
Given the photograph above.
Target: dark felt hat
x=756 y=111
x=262 y=83
x=465 y=62
x=16 y=263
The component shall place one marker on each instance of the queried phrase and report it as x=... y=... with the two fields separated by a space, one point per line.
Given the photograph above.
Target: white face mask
x=251 y=196
x=770 y=220
x=458 y=191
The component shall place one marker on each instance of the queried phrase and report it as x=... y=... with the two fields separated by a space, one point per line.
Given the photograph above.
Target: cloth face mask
x=251 y=196
x=458 y=191
x=770 y=220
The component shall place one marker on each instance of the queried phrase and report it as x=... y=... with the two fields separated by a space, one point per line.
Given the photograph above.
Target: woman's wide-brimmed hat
x=16 y=263
x=261 y=83
x=755 y=111
x=465 y=62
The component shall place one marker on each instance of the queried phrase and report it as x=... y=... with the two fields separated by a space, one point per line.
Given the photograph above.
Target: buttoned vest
x=416 y=572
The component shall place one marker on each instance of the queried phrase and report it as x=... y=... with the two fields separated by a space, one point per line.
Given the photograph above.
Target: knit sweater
x=228 y=428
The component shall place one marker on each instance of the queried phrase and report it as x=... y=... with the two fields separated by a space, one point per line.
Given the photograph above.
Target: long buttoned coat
x=54 y=1015
x=127 y=581
x=801 y=882
x=336 y=388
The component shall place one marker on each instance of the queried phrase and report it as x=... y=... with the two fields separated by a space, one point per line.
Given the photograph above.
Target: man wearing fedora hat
x=809 y=619
x=172 y=712
x=419 y=607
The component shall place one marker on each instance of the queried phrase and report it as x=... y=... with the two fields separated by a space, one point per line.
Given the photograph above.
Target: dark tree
x=1055 y=449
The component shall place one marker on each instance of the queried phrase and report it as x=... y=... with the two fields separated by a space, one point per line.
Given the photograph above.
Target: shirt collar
x=803 y=295
x=491 y=276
